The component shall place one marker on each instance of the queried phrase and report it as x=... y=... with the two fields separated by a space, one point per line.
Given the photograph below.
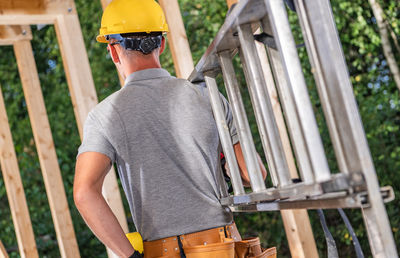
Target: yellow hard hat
x=136 y=241
x=131 y=16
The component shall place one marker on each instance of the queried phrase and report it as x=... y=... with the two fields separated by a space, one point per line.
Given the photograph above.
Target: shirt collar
x=147 y=74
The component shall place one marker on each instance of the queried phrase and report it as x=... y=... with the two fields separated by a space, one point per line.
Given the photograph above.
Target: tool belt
x=221 y=242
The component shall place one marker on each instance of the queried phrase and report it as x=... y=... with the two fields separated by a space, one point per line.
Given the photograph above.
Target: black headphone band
x=145 y=45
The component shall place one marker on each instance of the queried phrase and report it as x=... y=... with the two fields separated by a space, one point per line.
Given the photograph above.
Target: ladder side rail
x=224 y=134
x=294 y=75
x=239 y=113
x=263 y=110
x=260 y=125
x=291 y=117
x=353 y=143
x=322 y=83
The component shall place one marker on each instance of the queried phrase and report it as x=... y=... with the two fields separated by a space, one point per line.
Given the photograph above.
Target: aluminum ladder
x=356 y=186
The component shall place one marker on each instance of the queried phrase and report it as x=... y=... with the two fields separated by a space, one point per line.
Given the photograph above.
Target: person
x=160 y=132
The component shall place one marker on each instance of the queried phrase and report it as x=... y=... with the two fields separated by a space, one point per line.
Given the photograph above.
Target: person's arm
x=242 y=165
x=91 y=169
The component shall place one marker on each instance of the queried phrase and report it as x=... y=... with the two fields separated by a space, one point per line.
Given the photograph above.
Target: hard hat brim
x=101 y=39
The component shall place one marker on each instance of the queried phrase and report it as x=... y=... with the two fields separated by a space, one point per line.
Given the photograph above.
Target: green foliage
x=374 y=88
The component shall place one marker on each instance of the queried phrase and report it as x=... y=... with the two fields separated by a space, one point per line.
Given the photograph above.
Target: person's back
x=163 y=136
x=161 y=133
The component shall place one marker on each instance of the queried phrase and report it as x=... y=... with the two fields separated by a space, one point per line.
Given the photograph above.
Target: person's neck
x=142 y=65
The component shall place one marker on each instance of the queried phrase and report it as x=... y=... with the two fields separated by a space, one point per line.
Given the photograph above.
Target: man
x=161 y=133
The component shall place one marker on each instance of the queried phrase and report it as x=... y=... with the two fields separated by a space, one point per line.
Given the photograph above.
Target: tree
x=375 y=91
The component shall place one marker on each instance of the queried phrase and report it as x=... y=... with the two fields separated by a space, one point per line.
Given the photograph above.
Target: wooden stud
x=36 y=7
x=3 y=251
x=46 y=150
x=84 y=98
x=269 y=81
x=12 y=33
x=62 y=13
x=104 y=3
x=25 y=12
x=76 y=65
x=177 y=39
x=231 y=2
x=299 y=233
x=15 y=189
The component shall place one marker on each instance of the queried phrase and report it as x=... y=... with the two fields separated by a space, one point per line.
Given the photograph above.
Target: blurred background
x=375 y=90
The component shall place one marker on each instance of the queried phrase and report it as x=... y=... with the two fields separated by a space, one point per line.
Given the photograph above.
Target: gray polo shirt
x=161 y=133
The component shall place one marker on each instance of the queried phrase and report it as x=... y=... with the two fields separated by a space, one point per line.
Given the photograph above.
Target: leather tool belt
x=221 y=242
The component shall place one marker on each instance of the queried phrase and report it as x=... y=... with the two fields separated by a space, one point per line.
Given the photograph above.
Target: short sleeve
x=229 y=120
x=95 y=140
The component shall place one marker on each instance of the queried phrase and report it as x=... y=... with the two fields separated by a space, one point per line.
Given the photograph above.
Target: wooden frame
x=62 y=14
x=43 y=138
x=3 y=252
x=15 y=190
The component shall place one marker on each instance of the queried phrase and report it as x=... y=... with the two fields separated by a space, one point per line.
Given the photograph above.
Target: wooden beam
x=25 y=12
x=270 y=84
x=46 y=150
x=27 y=19
x=36 y=7
x=76 y=65
x=3 y=251
x=104 y=3
x=12 y=33
x=62 y=13
x=177 y=39
x=231 y=2
x=84 y=97
x=110 y=186
x=15 y=189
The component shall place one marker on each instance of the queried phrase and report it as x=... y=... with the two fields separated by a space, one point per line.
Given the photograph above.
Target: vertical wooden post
x=231 y=2
x=76 y=65
x=104 y=4
x=177 y=38
x=3 y=252
x=46 y=150
x=15 y=189
x=84 y=98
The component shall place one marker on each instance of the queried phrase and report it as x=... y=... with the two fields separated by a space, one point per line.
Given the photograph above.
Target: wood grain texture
x=3 y=252
x=84 y=98
x=76 y=65
x=177 y=39
x=25 y=12
x=104 y=3
x=35 y=7
x=46 y=151
x=12 y=33
x=15 y=189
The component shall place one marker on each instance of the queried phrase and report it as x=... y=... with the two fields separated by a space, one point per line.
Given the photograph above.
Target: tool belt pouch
x=251 y=248
x=215 y=250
